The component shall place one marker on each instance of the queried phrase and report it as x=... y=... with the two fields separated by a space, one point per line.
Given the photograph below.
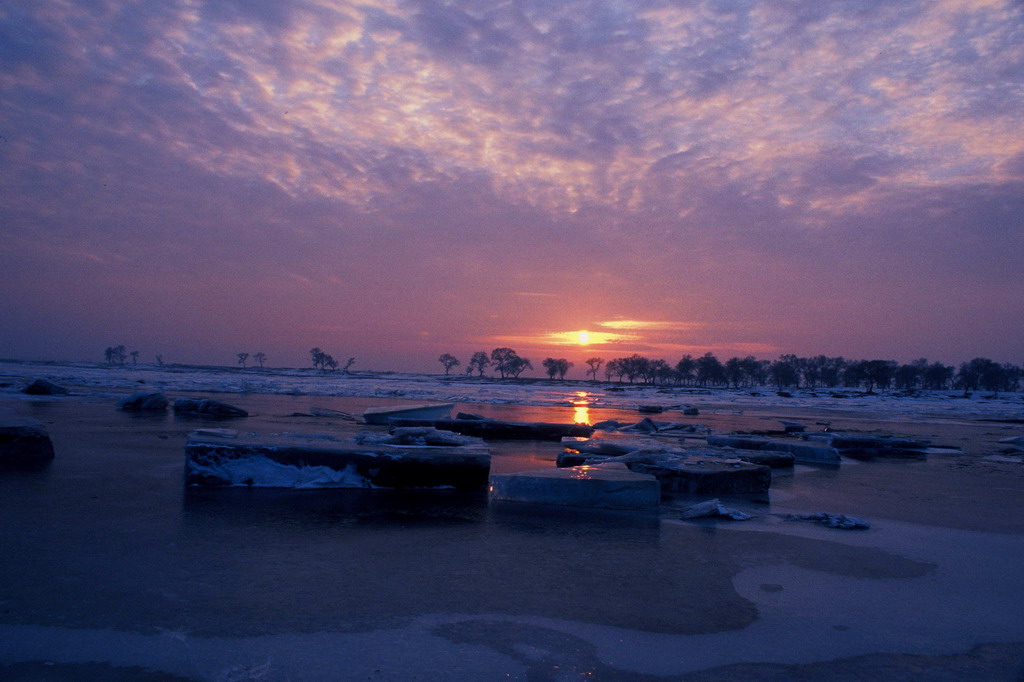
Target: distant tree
x=686 y=369
x=986 y=374
x=135 y=357
x=785 y=371
x=853 y=373
x=660 y=372
x=910 y=377
x=448 y=361
x=831 y=370
x=1012 y=375
x=160 y=360
x=323 y=361
x=115 y=355
x=878 y=373
x=633 y=367
x=504 y=360
x=348 y=364
x=734 y=373
x=557 y=366
x=242 y=357
x=709 y=370
x=260 y=358
x=937 y=376
x=613 y=369
x=595 y=366
x=518 y=365
x=478 y=363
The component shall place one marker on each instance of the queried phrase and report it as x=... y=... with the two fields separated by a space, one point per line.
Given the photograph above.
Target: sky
x=395 y=180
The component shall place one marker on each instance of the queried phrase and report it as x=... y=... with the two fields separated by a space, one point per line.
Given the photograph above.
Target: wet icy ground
x=109 y=561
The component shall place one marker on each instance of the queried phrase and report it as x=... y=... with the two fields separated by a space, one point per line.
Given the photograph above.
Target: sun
x=583 y=337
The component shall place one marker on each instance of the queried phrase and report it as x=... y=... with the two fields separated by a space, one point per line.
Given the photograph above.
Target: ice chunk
x=257 y=459
x=583 y=486
x=152 y=401
x=840 y=521
x=714 y=508
x=23 y=442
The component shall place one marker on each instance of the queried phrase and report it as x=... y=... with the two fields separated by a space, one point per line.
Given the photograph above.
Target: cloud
x=655 y=161
x=651 y=325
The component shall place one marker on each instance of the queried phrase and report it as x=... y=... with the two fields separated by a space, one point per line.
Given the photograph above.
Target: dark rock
x=44 y=387
x=650 y=409
x=24 y=442
x=469 y=415
x=207 y=408
x=144 y=402
x=690 y=411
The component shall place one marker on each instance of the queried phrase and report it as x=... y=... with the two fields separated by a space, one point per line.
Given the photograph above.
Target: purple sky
x=396 y=180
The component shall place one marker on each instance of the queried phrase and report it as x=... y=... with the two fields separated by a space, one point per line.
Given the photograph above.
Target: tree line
x=788 y=371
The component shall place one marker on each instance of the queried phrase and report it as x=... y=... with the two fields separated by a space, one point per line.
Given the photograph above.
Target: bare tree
x=508 y=363
x=478 y=363
x=242 y=357
x=135 y=357
x=557 y=366
x=448 y=361
x=324 y=361
x=260 y=358
x=115 y=355
x=595 y=366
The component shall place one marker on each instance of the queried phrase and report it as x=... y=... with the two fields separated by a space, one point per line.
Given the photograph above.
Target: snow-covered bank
x=463 y=389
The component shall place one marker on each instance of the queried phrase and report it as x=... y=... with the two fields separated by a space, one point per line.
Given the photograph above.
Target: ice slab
x=867 y=446
x=584 y=486
x=494 y=429
x=207 y=408
x=153 y=401
x=23 y=442
x=802 y=452
x=708 y=476
x=306 y=460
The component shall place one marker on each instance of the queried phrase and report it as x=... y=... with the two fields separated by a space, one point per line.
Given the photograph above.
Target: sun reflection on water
x=581 y=408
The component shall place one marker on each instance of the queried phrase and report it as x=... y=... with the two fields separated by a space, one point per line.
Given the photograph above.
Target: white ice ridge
x=260 y=472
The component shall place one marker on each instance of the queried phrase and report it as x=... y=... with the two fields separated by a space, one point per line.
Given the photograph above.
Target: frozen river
x=112 y=569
